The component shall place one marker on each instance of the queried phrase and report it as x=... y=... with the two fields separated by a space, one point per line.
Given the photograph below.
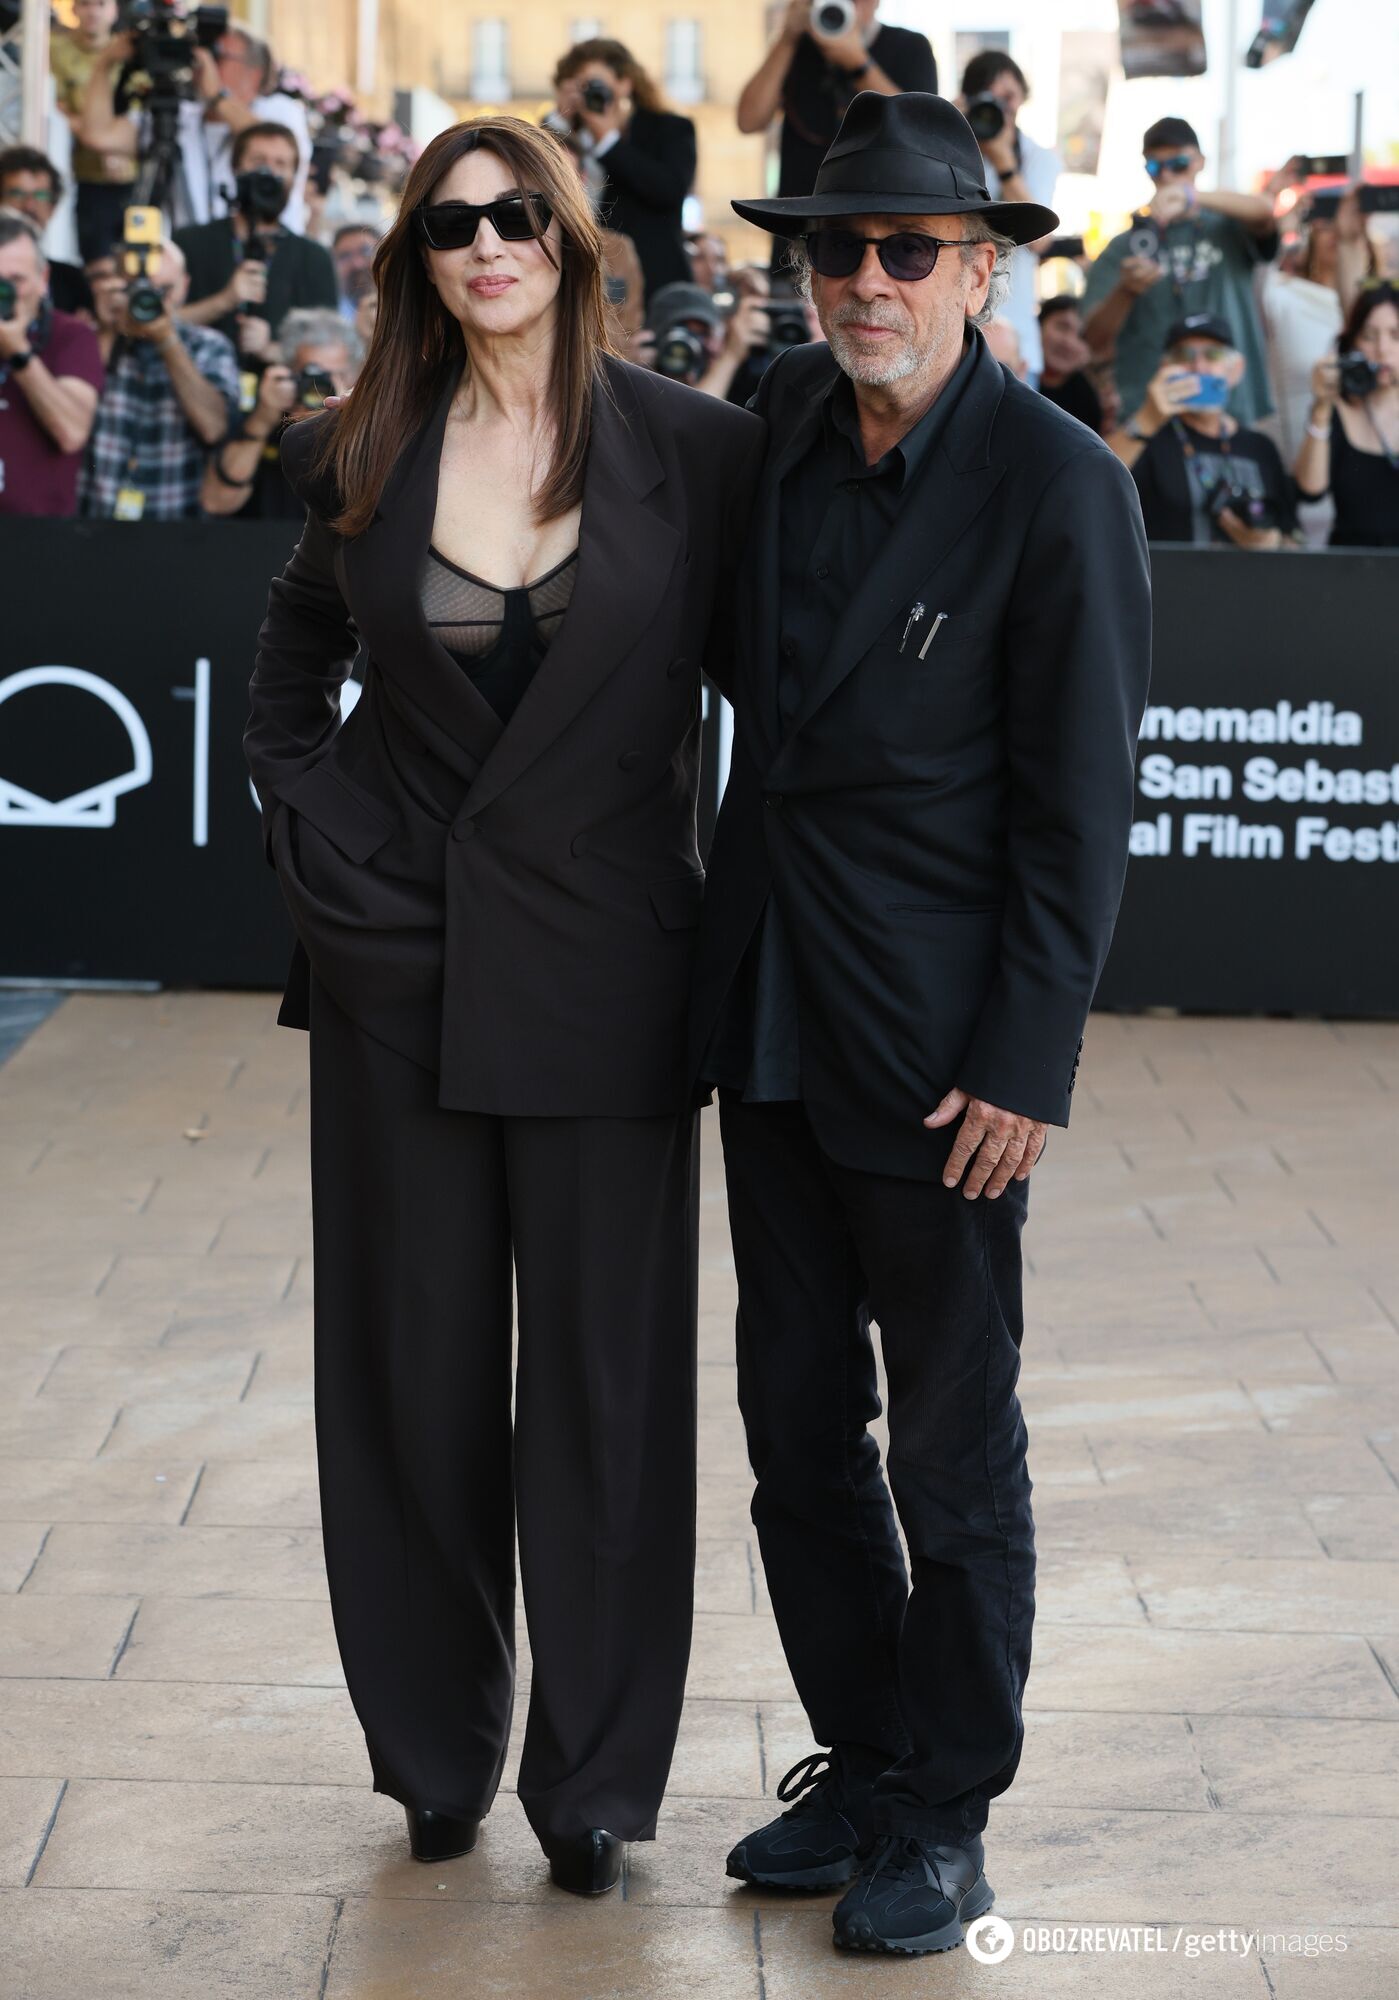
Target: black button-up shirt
x=835 y=514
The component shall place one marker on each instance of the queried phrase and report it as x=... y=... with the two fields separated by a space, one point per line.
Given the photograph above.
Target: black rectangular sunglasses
x=452 y=225
x=907 y=255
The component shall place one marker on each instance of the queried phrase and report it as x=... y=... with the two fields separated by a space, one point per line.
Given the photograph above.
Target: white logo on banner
x=97 y=805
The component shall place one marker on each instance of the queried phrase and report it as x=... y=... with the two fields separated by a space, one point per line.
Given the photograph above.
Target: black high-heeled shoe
x=435 y=1836
x=589 y=1865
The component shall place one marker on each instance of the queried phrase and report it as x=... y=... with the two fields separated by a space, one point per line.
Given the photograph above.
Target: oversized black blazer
x=512 y=906
x=945 y=837
x=649 y=172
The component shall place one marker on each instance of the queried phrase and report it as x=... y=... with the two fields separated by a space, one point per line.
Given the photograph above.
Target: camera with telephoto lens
x=597 y=95
x=9 y=298
x=1359 y=377
x=259 y=195
x=987 y=117
x=144 y=302
x=830 y=19
x=313 y=385
x=787 y=324
x=680 y=353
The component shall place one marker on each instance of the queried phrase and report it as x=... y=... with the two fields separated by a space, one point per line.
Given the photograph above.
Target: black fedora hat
x=913 y=154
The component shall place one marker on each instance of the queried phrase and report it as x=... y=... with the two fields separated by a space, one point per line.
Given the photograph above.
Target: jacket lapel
x=626 y=553
x=382 y=571
x=933 y=520
x=756 y=712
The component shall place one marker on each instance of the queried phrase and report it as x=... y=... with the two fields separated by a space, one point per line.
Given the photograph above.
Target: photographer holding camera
x=318 y=354
x=994 y=87
x=32 y=186
x=824 y=52
x=641 y=156
x=247 y=270
x=171 y=393
x=1202 y=476
x=1351 y=447
x=1189 y=251
x=50 y=376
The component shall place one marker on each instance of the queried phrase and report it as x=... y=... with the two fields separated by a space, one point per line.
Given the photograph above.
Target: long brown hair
x=416 y=341
x=619 y=60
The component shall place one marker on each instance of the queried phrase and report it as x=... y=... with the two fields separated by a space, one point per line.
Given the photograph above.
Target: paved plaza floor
x=1211 y=1379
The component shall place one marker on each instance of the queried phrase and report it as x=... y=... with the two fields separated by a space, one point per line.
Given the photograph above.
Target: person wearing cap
x=1191 y=250
x=942 y=656
x=1201 y=475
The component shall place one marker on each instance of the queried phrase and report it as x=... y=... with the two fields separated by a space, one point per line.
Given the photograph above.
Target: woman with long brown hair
x=492 y=871
x=640 y=158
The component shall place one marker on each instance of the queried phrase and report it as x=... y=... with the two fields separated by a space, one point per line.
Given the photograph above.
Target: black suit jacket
x=649 y=172
x=945 y=837
x=513 y=906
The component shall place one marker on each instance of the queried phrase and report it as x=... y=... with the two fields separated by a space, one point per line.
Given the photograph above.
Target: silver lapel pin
x=932 y=633
x=913 y=618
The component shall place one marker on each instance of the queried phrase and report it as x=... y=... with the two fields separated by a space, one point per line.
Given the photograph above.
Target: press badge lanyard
x=130 y=502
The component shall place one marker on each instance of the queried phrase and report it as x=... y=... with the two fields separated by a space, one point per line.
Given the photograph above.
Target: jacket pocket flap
x=677 y=900
x=342 y=813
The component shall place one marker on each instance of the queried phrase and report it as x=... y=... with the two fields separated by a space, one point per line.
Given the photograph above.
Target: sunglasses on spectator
x=452 y=225
x=906 y=256
x=1178 y=163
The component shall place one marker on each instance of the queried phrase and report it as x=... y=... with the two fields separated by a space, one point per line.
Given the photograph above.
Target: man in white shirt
x=1017 y=169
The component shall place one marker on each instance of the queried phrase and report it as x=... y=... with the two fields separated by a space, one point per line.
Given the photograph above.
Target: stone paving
x=1213 y=1715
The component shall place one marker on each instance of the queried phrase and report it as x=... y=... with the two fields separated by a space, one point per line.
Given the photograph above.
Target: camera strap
x=1390 y=454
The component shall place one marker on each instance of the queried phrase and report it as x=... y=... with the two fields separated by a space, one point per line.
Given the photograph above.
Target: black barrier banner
x=130 y=842
x=1267 y=790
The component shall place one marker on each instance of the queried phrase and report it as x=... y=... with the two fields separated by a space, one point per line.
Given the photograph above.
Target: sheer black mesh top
x=498 y=637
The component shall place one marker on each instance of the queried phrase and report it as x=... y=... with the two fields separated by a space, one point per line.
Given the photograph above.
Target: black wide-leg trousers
x=418 y=1215
x=920 y=1685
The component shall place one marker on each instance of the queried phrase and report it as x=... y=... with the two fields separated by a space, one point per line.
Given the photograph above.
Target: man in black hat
x=942 y=656
x=1200 y=474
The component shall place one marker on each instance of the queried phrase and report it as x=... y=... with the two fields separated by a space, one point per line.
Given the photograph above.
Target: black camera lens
x=9 y=298
x=986 y=116
x=597 y=95
x=313 y=385
x=144 y=302
x=261 y=194
x=679 y=354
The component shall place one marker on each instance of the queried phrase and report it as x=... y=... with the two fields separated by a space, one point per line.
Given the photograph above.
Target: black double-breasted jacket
x=943 y=821
x=513 y=906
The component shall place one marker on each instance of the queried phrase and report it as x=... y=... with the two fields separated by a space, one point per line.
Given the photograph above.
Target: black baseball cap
x=1200 y=326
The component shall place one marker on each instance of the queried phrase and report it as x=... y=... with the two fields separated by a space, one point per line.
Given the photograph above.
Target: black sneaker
x=913 y=1897
x=815 y=1844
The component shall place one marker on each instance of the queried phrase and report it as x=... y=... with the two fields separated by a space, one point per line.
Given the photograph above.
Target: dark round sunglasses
x=1178 y=163
x=906 y=256
x=452 y=225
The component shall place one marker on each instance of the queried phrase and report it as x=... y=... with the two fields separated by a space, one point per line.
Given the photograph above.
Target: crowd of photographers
x=1246 y=372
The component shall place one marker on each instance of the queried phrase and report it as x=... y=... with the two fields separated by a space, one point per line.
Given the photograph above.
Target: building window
x=684 y=72
x=490 y=62
x=586 y=30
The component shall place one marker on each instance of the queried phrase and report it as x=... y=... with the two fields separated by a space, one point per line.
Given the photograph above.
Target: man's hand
x=247 y=286
x=275 y=395
x=641 y=348
x=1169 y=391
x=156 y=331
x=1168 y=204
x=747 y=328
x=1000 y=1145
x=14 y=336
x=1138 y=274
x=254 y=336
x=1000 y=151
